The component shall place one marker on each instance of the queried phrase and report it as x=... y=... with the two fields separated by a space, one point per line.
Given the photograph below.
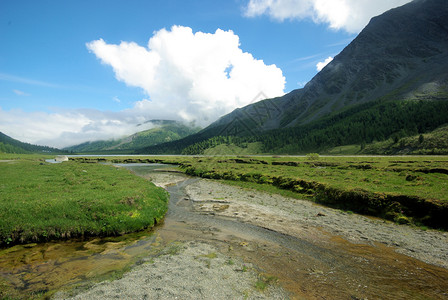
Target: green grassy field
x=404 y=189
x=41 y=201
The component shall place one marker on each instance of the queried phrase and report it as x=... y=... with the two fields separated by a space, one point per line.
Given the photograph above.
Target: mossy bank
x=41 y=201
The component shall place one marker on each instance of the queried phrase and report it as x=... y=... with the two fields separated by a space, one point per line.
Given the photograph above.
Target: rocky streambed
x=220 y=242
x=292 y=248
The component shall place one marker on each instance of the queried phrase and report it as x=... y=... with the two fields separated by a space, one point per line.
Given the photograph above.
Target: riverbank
x=315 y=222
x=405 y=189
x=340 y=254
x=41 y=201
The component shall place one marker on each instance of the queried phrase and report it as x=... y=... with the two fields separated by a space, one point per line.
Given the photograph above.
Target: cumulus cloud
x=349 y=15
x=190 y=76
x=322 y=64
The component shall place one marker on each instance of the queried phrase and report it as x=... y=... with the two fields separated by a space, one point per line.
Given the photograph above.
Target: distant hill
x=390 y=80
x=10 y=145
x=163 y=131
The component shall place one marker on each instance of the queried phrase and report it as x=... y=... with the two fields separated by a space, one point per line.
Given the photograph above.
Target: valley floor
x=354 y=249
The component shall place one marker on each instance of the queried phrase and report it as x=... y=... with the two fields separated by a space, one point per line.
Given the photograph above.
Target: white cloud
x=349 y=15
x=70 y=127
x=20 y=93
x=191 y=76
x=322 y=64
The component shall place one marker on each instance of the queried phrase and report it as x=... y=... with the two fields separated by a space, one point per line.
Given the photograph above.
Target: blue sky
x=72 y=71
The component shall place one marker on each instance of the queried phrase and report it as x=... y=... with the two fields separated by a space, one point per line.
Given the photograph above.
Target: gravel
x=192 y=270
x=198 y=270
x=304 y=218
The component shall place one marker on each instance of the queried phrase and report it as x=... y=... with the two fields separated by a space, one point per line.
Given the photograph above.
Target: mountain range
x=392 y=79
x=389 y=83
x=162 y=131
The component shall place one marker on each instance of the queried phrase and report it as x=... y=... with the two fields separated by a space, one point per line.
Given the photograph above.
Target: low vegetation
x=405 y=190
x=41 y=201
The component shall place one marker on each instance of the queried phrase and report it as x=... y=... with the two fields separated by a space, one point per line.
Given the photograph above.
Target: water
x=327 y=267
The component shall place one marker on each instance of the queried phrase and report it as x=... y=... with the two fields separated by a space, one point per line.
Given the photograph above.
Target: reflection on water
x=42 y=268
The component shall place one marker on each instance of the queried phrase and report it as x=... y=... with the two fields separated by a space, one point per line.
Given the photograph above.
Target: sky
x=76 y=71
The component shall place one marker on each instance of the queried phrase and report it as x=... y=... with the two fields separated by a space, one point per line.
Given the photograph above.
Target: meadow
x=40 y=201
x=403 y=189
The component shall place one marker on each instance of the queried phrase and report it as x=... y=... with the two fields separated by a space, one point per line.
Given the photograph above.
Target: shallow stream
x=321 y=267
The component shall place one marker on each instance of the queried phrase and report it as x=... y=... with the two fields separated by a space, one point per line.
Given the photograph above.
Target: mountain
x=163 y=131
x=10 y=145
x=402 y=54
x=391 y=79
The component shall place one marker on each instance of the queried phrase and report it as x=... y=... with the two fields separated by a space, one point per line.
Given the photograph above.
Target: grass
x=41 y=201
x=377 y=175
x=211 y=255
x=224 y=149
x=405 y=189
x=435 y=142
x=264 y=281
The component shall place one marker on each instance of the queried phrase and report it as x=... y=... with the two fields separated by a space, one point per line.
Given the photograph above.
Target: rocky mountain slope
x=401 y=54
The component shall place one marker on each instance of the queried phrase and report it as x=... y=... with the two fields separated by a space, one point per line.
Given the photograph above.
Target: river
x=309 y=262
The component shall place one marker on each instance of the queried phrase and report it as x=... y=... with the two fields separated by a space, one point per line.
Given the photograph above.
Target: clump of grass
x=264 y=280
x=173 y=249
x=40 y=202
x=211 y=255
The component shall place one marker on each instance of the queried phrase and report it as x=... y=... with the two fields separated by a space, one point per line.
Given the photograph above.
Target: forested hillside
x=362 y=124
x=163 y=131
x=10 y=145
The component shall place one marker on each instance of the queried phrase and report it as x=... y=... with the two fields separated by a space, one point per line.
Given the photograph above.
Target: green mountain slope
x=361 y=124
x=434 y=142
x=10 y=145
x=164 y=131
